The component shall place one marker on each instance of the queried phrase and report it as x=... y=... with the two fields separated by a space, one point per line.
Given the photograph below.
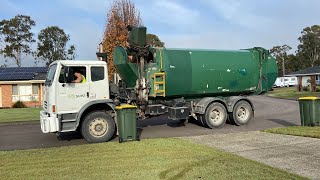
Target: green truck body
x=199 y=73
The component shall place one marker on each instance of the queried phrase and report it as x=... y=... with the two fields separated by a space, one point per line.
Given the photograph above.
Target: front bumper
x=49 y=123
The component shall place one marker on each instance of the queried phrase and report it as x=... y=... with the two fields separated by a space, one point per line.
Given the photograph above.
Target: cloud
x=228 y=24
x=167 y=13
x=86 y=35
x=242 y=13
x=234 y=24
x=97 y=7
x=174 y=13
x=83 y=20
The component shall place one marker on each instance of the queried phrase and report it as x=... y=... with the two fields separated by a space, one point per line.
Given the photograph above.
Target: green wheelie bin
x=127 y=122
x=309 y=111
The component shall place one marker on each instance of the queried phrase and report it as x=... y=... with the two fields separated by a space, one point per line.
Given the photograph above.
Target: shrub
x=19 y=104
x=305 y=88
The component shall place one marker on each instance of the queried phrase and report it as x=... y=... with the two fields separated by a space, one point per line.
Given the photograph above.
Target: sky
x=203 y=24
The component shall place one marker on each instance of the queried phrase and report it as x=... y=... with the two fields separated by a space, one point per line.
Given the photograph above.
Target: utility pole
x=283 y=69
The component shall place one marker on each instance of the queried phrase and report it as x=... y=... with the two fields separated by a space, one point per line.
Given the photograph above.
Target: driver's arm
x=78 y=80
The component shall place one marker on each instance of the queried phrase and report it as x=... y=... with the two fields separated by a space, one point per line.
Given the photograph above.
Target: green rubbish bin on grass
x=127 y=122
x=309 y=111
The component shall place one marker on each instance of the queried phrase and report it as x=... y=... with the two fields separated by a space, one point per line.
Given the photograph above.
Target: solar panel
x=20 y=73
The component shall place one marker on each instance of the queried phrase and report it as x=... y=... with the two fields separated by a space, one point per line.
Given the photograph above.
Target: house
x=307 y=77
x=21 y=84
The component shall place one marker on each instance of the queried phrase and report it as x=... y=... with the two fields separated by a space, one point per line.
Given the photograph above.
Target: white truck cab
x=84 y=107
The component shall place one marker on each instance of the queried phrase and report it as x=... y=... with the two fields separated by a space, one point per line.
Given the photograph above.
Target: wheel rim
x=98 y=127
x=216 y=116
x=243 y=114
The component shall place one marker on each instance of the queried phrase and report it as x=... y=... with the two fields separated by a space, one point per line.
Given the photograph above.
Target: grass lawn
x=19 y=114
x=304 y=131
x=290 y=93
x=147 y=159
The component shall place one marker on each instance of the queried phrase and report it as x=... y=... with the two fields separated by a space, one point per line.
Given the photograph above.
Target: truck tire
x=98 y=127
x=215 y=115
x=242 y=113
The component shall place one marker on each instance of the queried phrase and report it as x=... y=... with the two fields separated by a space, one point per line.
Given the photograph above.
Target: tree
x=280 y=53
x=121 y=14
x=154 y=40
x=309 y=47
x=292 y=63
x=52 y=44
x=17 y=38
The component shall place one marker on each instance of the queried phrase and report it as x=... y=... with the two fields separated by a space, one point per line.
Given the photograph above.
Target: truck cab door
x=99 y=85
x=71 y=96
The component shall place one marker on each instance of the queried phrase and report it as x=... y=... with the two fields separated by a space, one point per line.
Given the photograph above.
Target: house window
x=15 y=89
x=25 y=92
x=318 y=79
x=35 y=89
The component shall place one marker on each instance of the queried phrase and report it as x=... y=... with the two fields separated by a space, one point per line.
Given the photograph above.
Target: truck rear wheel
x=242 y=113
x=215 y=115
x=97 y=127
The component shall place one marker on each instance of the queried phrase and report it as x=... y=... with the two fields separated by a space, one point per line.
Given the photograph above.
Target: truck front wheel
x=97 y=127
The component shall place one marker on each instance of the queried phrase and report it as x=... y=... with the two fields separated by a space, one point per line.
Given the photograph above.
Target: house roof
x=22 y=73
x=308 y=71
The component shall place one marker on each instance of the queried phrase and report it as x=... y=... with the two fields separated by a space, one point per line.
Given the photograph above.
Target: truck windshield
x=50 y=75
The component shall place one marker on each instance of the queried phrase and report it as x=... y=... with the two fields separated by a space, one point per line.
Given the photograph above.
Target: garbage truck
x=210 y=86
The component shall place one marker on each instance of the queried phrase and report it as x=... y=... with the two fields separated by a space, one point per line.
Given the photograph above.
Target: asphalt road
x=269 y=113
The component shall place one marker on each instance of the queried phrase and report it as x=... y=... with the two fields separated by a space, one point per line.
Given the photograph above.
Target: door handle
x=87 y=94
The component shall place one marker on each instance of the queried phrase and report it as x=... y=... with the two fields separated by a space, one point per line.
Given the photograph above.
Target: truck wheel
x=242 y=113
x=97 y=127
x=215 y=115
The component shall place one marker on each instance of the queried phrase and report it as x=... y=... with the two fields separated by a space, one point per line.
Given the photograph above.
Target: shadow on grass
x=182 y=170
x=282 y=122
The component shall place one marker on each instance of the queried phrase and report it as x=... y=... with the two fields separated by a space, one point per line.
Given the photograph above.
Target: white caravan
x=285 y=82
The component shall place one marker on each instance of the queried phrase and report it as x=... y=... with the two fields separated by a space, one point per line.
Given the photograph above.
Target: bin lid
x=310 y=98
x=125 y=106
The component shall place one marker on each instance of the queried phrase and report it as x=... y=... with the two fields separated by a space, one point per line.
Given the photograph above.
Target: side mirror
x=103 y=56
x=68 y=74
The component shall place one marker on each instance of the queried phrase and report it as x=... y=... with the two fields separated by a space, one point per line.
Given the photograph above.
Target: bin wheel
x=215 y=115
x=98 y=127
x=242 y=113
x=120 y=140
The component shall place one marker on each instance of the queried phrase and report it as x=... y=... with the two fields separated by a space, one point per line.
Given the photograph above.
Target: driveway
x=299 y=155
x=269 y=113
